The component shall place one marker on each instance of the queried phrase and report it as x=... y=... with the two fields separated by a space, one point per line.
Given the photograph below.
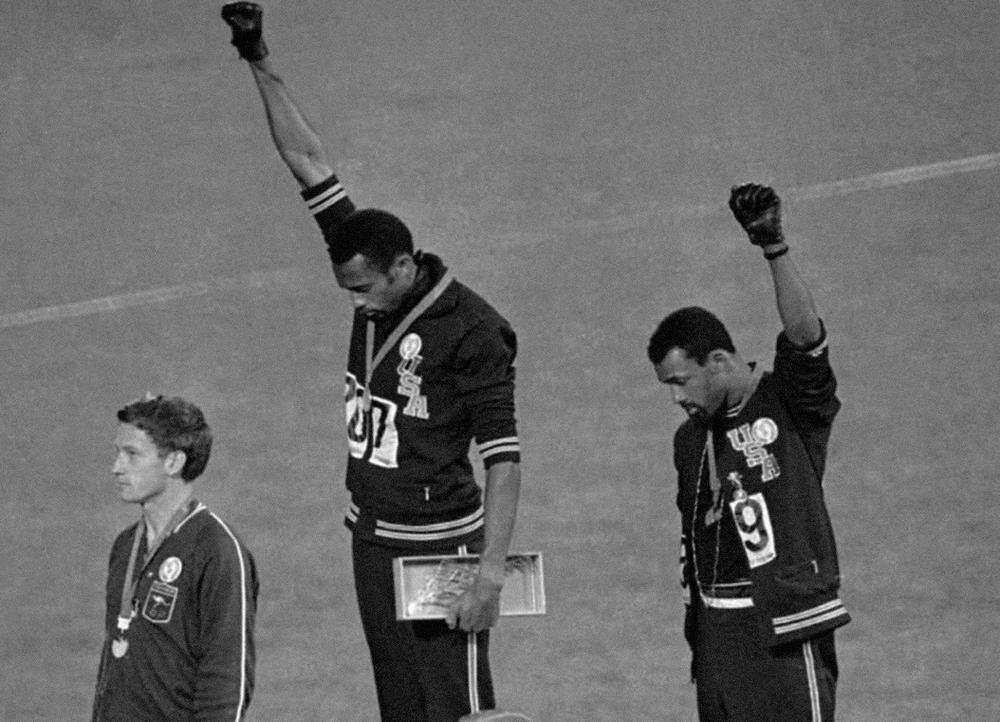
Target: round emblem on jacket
x=410 y=346
x=170 y=569
x=765 y=430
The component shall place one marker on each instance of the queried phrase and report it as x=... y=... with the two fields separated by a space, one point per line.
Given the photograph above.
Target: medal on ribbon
x=120 y=645
x=171 y=568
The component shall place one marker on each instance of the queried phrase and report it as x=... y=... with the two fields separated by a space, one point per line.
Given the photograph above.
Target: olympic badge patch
x=170 y=569
x=159 y=605
x=409 y=347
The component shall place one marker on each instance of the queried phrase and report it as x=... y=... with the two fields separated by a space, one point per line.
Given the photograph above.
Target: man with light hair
x=182 y=587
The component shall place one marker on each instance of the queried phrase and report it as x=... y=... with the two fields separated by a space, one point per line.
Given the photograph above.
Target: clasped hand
x=477 y=609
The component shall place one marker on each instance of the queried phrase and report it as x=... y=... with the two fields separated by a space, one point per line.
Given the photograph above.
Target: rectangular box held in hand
x=427 y=585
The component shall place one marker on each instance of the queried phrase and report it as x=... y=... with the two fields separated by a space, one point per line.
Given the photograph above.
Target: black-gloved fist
x=758 y=209
x=246 y=20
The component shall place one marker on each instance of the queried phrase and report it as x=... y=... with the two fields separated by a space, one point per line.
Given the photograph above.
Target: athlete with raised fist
x=758 y=561
x=430 y=369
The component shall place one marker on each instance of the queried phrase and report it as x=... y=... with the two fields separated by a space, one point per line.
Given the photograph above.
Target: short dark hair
x=173 y=424
x=377 y=235
x=694 y=330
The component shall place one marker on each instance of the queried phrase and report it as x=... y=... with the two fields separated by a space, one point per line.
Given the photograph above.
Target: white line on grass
x=280 y=278
x=293 y=278
x=897 y=177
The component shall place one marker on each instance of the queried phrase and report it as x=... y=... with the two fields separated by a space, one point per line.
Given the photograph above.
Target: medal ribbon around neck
x=713 y=472
x=715 y=485
x=372 y=363
x=125 y=610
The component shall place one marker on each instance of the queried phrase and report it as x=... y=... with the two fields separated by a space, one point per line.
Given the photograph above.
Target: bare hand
x=477 y=609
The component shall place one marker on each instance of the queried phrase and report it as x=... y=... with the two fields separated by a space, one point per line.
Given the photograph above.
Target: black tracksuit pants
x=424 y=672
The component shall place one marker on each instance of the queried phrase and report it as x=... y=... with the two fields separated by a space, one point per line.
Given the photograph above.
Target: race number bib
x=754 y=526
x=371 y=426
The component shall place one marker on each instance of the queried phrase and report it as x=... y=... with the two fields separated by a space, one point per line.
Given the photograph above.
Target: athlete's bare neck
x=742 y=382
x=158 y=511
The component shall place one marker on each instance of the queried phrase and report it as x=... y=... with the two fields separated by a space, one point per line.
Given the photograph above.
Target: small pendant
x=739 y=494
x=119 y=647
x=123 y=623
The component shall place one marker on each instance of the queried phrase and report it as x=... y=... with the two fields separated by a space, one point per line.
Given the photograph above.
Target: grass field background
x=571 y=161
